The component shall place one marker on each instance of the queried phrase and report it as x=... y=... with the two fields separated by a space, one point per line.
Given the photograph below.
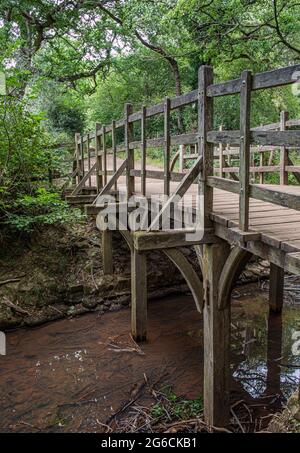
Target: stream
x=71 y=375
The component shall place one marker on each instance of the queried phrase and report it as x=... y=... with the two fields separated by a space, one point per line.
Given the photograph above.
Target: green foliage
x=28 y=212
x=176 y=407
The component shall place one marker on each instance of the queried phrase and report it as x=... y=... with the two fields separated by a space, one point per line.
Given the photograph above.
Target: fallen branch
x=18 y=309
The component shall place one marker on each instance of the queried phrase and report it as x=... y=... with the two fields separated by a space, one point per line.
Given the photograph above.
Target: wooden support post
x=221 y=157
x=216 y=338
x=114 y=149
x=138 y=295
x=143 y=151
x=99 y=178
x=129 y=152
x=276 y=288
x=89 y=156
x=205 y=149
x=107 y=254
x=246 y=79
x=77 y=156
x=104 y=154
x=167 y=146
x=261 y=163
x=284 y=154
x=82 y=157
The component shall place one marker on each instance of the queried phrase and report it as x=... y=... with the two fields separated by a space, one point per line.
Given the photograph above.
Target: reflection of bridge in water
x=240 y=216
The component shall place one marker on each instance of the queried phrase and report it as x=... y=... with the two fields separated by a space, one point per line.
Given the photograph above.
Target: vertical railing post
x=205 y=149
x=246 y=79
x=181 y=158
x=221 y=156
x=167 y=146
x=143 y=150
x=89 y=156
x=77 y=156
x=284 y=177
x=114 y=148
x=129 y=152
x=99 y=177
x=104 y=154
x=82 y=156
x=261 y=164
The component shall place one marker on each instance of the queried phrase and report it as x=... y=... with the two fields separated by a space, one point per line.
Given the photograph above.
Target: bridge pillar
x=276 y=288
x=138 y=295
x=216 y=337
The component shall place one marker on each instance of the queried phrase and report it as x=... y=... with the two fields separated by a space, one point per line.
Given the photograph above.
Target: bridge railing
x=118 y=137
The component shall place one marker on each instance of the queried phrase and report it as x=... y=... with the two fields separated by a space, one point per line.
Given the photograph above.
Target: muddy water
x=72 y=375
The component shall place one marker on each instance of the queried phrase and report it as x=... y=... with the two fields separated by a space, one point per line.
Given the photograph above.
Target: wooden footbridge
x=240 y=215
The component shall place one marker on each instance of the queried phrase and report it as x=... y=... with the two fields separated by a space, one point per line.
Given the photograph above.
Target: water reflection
x=264 y=362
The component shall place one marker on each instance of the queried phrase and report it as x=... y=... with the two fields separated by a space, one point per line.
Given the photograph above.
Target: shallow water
x=73 y=374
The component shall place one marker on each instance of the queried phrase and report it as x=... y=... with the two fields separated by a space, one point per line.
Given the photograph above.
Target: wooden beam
x=205 y=149
x=167 y=144
x=138 y=296
x=143 y=150
x=129 y=152
x=216 y=338
x=99 y=178
x=246 y=79
x=276 y=288
x=114 y=149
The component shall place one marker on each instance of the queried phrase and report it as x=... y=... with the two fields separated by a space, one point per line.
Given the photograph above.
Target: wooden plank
x=275 y=138
x=138 y=296
x=129 y=153
x=89 y=156
x=205 y=149
x=167 y=144
x=216 y=333
x=269 y=79
x=82 y=156
x=144 y=240
x=143 y=150
x=276 y=288
x=158 y=174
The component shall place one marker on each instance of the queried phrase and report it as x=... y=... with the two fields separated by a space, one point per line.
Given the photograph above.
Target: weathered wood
x=99 y=178
x=143 y=150
x=245 y=103
x=77 y=156
x=275 y=138
x=205 y=149
x=86 y=177
x=167 y=144
x=138 y=295
x=190 y=275
x=112 y=181
x=129 y=152
x=276 y=288
x=269 y=79
x=216 y=324
x=89 y=157
x=179 y=192
x=82 y=156
x=107 y=253
x=104 y=152
x=114 y=149
x=221 y=157
x=158 y=174
x=284 y=178
x=168 y=239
